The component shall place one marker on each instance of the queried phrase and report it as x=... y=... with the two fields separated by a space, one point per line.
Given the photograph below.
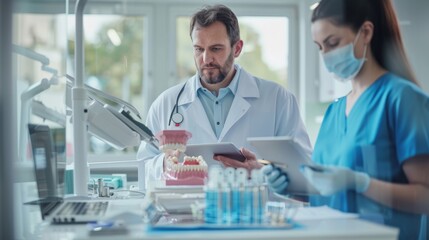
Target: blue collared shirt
x=217 y=107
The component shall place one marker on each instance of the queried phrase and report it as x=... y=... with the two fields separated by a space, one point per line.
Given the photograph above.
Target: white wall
x=414 y=19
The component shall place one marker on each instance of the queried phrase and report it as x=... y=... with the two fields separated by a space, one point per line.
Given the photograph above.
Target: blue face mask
x=342 y=63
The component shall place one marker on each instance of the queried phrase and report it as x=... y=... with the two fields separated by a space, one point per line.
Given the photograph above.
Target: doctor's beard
x=210 y=77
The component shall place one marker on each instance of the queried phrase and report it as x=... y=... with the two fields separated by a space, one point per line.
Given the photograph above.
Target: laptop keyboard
x=83 y=208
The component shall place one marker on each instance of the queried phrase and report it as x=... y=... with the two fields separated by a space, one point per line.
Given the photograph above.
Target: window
x=43 y=36
x=114 y=61
x=115 y=52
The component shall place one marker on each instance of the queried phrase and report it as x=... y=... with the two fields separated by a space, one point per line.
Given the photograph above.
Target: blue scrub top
x=388 y=124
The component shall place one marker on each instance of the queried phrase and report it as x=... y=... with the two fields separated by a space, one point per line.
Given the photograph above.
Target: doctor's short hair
x=210 y=14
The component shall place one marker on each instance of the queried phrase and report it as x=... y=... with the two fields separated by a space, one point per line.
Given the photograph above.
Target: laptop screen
x=59 y=143
x=48 y=171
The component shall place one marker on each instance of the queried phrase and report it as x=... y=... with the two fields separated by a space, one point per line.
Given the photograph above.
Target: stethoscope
x=175 y=116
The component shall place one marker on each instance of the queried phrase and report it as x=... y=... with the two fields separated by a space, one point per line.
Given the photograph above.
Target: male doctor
x=222 y=102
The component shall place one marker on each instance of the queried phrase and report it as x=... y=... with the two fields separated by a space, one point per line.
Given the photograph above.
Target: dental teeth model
x=173 y=139
x=192 y=171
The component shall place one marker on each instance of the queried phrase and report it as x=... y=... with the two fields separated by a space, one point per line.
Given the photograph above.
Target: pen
x=315 y=168
x=268 y=162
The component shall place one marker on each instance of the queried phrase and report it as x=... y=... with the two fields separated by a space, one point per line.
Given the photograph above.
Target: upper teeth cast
x=173 y=146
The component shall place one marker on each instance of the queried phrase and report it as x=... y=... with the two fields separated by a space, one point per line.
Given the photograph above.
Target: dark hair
x=210 y=14
x=386 y=43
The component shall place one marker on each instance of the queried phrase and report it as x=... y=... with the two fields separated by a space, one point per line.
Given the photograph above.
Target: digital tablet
x=207 y=151
x=288 y=154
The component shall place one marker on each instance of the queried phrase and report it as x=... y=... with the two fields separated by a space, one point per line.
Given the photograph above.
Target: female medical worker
x=374 y=142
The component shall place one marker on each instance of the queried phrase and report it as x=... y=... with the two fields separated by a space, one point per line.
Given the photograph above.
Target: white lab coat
x=260 y=108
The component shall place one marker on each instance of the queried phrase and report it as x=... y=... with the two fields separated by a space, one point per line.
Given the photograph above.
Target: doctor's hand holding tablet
x=249 y=162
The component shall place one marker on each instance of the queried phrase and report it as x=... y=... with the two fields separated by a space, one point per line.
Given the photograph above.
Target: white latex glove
x=330 y=180
x=277 y=179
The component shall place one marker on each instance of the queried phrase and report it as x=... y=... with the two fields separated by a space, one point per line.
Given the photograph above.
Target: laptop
x=49 y=172
x=288 y=154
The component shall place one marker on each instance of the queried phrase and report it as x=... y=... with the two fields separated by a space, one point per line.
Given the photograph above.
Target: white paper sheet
x=321 y=213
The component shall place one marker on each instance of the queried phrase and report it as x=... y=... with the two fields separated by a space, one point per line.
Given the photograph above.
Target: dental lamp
x=79 y=109
x=41 y=110
x=30 y=54
x=113 y=120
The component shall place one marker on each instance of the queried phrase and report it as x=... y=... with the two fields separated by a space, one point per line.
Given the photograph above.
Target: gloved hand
x=277 y=179
x=330 y=180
